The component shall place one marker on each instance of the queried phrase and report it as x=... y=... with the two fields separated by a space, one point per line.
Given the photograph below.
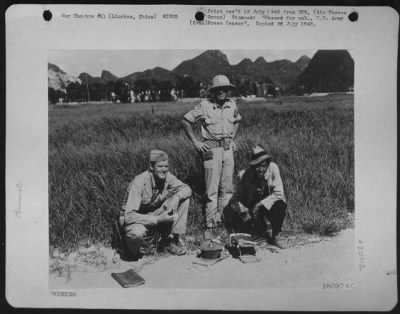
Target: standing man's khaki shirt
x=216 y=122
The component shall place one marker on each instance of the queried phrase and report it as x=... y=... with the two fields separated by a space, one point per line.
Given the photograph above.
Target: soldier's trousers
x=134 y=233
x=219 y=186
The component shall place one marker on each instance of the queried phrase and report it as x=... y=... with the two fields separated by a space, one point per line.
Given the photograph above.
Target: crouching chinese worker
x=259 y=205
x=155 y=198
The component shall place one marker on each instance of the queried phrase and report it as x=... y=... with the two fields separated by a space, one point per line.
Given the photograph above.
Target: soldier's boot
x=176 y=246
x=163 y=243
x=133 y=249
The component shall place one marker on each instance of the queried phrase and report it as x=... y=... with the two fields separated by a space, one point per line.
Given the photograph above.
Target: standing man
x=155 y=198
x=219 y=118
x=259 y=200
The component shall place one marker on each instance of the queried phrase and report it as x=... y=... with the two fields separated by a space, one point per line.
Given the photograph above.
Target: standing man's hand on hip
x=201 y=146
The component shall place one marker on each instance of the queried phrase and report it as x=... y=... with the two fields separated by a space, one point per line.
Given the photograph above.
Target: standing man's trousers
x=219 y=186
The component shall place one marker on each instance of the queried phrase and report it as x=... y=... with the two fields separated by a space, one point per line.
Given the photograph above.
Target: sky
x=125 y=62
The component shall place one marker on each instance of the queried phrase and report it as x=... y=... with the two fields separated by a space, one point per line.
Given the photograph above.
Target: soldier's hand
x=201 y=146
x=166 y=217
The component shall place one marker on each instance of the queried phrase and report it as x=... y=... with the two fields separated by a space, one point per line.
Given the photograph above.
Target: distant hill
x=106 y=76
x=158 y=73
x=205 y=66
x=328 y=71
x=303 y=62
x=283 y=73
x=87 y=77
x=58 y=79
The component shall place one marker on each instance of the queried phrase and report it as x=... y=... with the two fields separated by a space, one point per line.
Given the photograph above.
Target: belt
x=218 y=143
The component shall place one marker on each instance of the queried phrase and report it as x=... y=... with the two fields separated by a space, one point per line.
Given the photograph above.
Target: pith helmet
x=221 y=81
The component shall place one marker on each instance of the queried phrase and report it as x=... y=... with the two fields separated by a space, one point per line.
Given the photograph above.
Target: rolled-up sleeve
x=236 y=115
x=178 y=188
x=194 y=114
x=133 y=198
x=276 y=188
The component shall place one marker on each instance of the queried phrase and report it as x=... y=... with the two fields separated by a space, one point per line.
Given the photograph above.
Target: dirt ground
x=307 y=262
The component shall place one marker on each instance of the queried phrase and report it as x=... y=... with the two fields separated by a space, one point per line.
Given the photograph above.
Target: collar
x=267 y=173
x=225 y=105
x=153 y=181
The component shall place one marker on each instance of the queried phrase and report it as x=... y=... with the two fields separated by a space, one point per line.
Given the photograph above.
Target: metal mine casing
x=210 y=250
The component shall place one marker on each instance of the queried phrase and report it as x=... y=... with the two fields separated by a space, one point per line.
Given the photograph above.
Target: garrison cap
x=157 y=155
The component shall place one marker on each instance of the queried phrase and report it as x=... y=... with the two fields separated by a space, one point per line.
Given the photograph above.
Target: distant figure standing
x=113 y=97
x=173 y=94
x=132 y=95
x=219 y=118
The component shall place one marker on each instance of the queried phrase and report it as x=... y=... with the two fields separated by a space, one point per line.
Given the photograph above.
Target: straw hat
x=221 y=81
x=259 y=155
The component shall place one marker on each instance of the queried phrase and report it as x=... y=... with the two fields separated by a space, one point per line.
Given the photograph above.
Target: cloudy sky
x=124 y=62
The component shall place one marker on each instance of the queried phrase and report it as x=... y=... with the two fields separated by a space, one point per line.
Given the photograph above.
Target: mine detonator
x=241 y=246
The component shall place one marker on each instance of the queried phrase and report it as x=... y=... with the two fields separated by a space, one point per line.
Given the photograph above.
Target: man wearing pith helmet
x=219 y=119
x=155 y=198
x=259 y=200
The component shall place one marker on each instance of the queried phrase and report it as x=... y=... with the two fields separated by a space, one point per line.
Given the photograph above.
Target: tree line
x=155 y=90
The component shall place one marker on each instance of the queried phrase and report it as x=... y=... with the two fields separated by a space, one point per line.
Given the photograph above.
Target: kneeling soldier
x=155 y=198
x=259 y=200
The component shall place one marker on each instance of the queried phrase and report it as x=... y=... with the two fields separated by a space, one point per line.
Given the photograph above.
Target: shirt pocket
x=230 y=114
x=211 y=116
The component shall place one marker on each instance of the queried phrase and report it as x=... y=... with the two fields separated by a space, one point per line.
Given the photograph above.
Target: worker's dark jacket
x=252 y=190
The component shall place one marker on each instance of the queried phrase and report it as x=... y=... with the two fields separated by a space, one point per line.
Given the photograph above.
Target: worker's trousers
x=237 y=221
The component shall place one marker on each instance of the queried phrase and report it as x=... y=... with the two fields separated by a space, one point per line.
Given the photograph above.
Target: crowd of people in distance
x=147 y=95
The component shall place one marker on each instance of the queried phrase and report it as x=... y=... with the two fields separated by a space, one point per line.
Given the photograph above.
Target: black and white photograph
x=243 y=163
x=201 y=157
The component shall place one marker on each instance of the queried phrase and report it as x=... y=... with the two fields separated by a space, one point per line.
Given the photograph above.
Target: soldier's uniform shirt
x=143 y=197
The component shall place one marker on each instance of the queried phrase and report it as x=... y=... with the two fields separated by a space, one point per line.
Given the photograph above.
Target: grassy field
x=95 y=150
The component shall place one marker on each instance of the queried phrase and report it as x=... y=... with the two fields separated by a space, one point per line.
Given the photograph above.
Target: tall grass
x=92 y=160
